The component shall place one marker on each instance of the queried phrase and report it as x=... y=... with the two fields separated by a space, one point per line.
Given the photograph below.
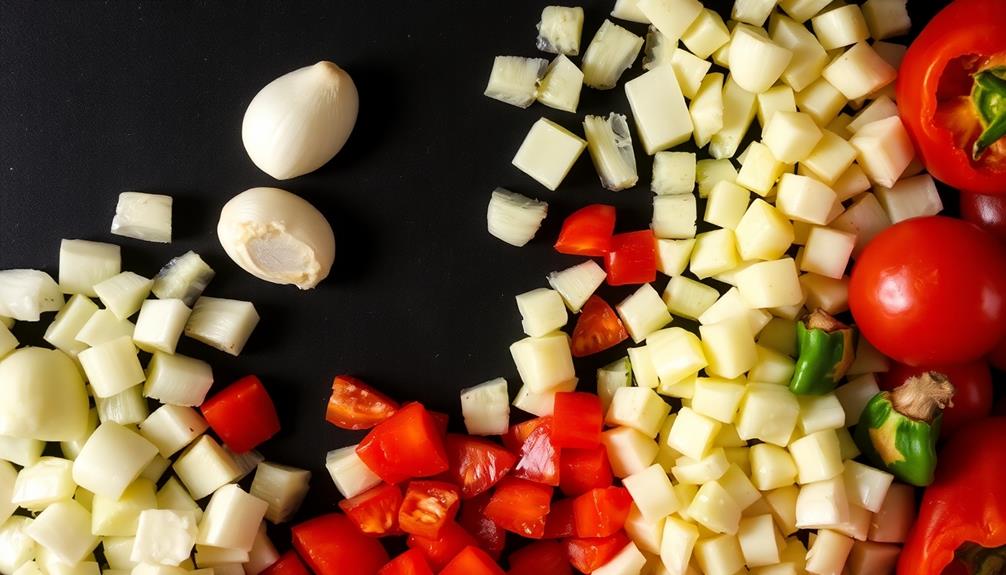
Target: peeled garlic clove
x=277 y=236
x=300 y=120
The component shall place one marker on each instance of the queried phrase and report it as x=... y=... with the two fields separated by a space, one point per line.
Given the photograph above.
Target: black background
x=97 y=98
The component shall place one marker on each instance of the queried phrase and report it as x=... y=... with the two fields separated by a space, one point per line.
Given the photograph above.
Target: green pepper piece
x=989 y=97
x=898 y=429
x=825 y=350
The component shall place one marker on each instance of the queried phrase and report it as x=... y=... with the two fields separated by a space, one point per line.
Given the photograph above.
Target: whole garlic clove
x=277 y=236
x=300 y=121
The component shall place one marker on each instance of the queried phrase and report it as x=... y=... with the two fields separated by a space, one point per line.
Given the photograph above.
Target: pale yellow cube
x=726 y=205
x=670 y=17
x=772 y=467
x=828 y=554
x=882 y=107
x=714 y=509
x=673 y=255
x=673 y=173
x=768 y=412
x=782 y=501
x=827 y=252
x=727 y=437
x=707 y=34
x=866 y=486
x=719 y=555
x=677 y=355
x=692 y=433
x=563 y=81
x=760 y=169
x=840 y=125
x=840 y=27
x=688 y=298
x=629 y=451
x=756 y=62
x=740 y=457
x=540 y=403
x=548 y=152
x=683 y=389
x=771 y=366
x=866 y=218
x=542 y=311
x=658 y=107
x=804 y=199
x=628 y=561
x=717 y=398
x=639 y=408
x=821 y=504
x=791 y=136
x=771 y=284
x=689 y=69
x=643 y=370
x=846 y=444
x=706 y=109
x=851 y=183
x=731 y=305
x=821 y=100
x=652 y=493
x=817 y=456
x=858 y=524
x=643 y=313
x=710 y=172
x=763 y=233
x=831 y=295
x=676 y=546
x=759 y=541
x=830 y=158
x=779 y=98
x=859 y=71
x=674 y=216
x=883 y=150
x=820 y=412
x=729 y=347
x=612 y=51
x=910 y=198
x=544 y=363
x=739 y=486
x=698 y=471
x=854 y=396
x=714 y=252
x=646 y=534
x=779 y=335
x=809 y=58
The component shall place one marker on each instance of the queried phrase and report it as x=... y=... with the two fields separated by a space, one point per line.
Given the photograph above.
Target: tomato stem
x=989 y=97
x=982 y=560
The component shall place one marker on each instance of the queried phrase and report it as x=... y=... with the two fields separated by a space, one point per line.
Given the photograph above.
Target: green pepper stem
x=989 y=97
x=982 y=560
x=923 y=397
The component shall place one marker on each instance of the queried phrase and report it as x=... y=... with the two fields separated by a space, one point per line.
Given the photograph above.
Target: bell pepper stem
x=982 y=560
x=923 y=397
x=989 y=97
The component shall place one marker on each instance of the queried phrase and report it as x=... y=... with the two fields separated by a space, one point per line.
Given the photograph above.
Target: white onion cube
x=887 y=18
x=514 y=80
x=866 y=486
x=639 y=408
x=859 y=71
x=64 y=529
x=673 y=255
x=350 y=474
x=112 y=367
x=559 y=30
x=26 y=294
x=46 y=482
x=103 y=327
x=610 y=53
x=225 y=324
x=83 y=264
x=62 y=332
x=576 y=284
x=756 y=62
x=854 y=396
x=658 y=107
x=231 y=519
x=688 y=298
x=563 y=81
x=828 y=554
x=674 y=216
x=164 y=537
x=283 y=488
x=160 y=324
x=865 y=218
x=178 y=379
x=112 y=458
x=486 y=407
x=119 y=517
x=205 y=466
x=143 y=216
x=172 y=427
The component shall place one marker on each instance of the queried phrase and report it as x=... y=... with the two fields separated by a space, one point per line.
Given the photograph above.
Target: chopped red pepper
x=584 y=469
x=375 y=511
x=427 y=507
x=453 y=538
x=472 y=561
x=406 y=445
x=601 y=512
x=515 y=437
x=598 y=328
x=587 y=555
x=242 y=414
x=288 y=563
x=476 y=464
x=441 y=420
x=560 y=524
x=331 y=545
x=632 y=259
x=356 y=405
x=540 y=558
x=539 y=458
x=587 y=231
x=412 y=562
x=520 y=506
x=491 y=537
x=577 y=420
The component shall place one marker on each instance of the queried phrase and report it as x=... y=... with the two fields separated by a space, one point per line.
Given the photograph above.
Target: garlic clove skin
x=277 y=236
x=300 y=121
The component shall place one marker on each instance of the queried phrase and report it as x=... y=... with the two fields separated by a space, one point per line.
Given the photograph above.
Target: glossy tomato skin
x=931 y=291
x=427 y=507
x=587 y=231
x=577 y=420
x=520 y=506
x=539 y=457
x=412 y=562
x=375 y=511
x=406 y=445
x=601 y=512
x=472 y=561
x=540 y=558
x=584 y=469
x=972 y=398
x=242 y=414
x=632 y=259
x=288 y=563
x=491 y=537
x=438 y=552
x=587 y=554
x=997 y=357
x=560 y=523
x=515 y=437
x=985 y=211
x=355 y=405
x=963 y=28
x=598 y=328
x=331 y=545
x=476 y=464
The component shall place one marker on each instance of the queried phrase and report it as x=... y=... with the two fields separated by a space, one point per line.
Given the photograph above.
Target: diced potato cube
x=791 y=136
x=817 y=456
x=887 y=18
x=717 y=398
x=643 y=312
x=759 y=169
x=911 y=198
x=739 y=486
x=673 y=173
x=646 y=534
x=628 y=561
x=710 y=172
x=730 y=305
x=719 y=555
x=726 y=205
x=688 y=298
x=689 y=69
x=576 y=284
x=840 y=125
x=544 y=363
x=706 y=35
x=891 y=523
x=45 y=482
x=820 y=412
x=610 y=53
x=804 y=199
x=548 y=152
x=866 y=486
x=830 y=159
x=706 y=109
x=840 y=27
x=486 y=407
x=714 y=252
x=759 y=541
x=677 y=544
x=821 y=100
x=768 y=412
x=673 y=255
x=699 y=471
x=559 y=30
x=738 y=112
x=770 y=284
x=727 y=437
x=866 y=218
x=809 y=57
x=674 y=216
x=683 y=389
x=561 y=86
x=753 y=12
x=756 y=62
x=692 y=433
x=851 y=183
x=854 y=396
x=772 y=467
x=822 y=503
x=677 y=354
x=643 y=369
x=803 y=10
x=671 y=17
x=629 y=10
x=779 y=335
x=882 y=107
x=782 y=501
x=639 y=408
x=868 y=359
x=827 y=252
x=714 y=509
x=763 y=233
x=859 y=71
x=740 y=457
x=652 y=492
x=828 y=554
x=540 y=403
x=658 y=107
x=514 y=80
x=629 y=451
x=542 y=311
x=831 y=295
x=771 y=366
x=729 y=347
x=868 y=557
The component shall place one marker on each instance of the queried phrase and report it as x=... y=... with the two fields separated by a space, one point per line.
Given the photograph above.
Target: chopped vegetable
x=225 y=324
x=597 y=329
x=547 y=153
x=610 y=145
x=610 y=53
x=576 y=284
x=184 y=277
x=561 y=86
x=356 y=405
x=242 y=414
x=26 y=294
x=160 y=325
x=658 y=108
x=514 y=80
x=520 y=506
x=331 y=545
x=143 y=216
x=514 y=218
x=825 y=350
x=83 y=264
x=404 y=446
x=427 y=507
x=476 y=465
x=559 y=30
x=486 y=408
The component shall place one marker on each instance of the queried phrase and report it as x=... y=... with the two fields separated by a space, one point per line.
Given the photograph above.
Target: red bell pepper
x=587 y=231
x=242 y=414
x=539 y=458
x=577 y=420
x=560 y=523
x=515 y=437
x=331 y=545
x=375 y=511
x=472 y=561
x=587 y=555
x=288 y=563
x=540 y=558
x=427 y=507
x=601 y=512
x=412 y=562
x=964 y=510
x=438 y=552
x=632 y=259
x=440 y=420
x=951 y=88
x=491 y=537
x=406 y=445
x=476 y=464
x=597 y=329
x=581 y=470
x=356 y=405
x=520 y=506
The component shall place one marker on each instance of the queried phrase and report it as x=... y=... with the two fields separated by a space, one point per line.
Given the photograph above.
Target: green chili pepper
x=898 y=429
x=825 y=350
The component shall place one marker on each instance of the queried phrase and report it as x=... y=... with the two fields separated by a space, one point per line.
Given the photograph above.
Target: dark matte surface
x=97 y=98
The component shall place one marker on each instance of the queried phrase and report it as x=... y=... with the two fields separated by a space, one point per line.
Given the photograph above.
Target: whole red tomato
x=986 y=211
x=931 y=291
x=973 y=384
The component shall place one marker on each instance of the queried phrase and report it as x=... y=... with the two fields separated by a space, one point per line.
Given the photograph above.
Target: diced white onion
x=262 y=554
x=103 y=327
x=124 y=294
x=225 y=324
x=47 y=481
x=125 y=408
x=112 y=458
x=184 y=277
x=71 y=449
x=559 y=30
x=19 y=450
x=283 y=488
x=178 y=379
x=83 y=264
x=610 y=53
x=16 y=547
x=514 y=218
x=164 y=537
x=143 y=217
x=26 y=294
x=204 y=467
x=610 y=145
x=172 y=495
x=160 y=324
x=64 y=529
x=245 y=462
x=561 y=86
x=576 y=284
x=118 y=517
x=349 y=473
x=62 y=332
x=112 y=367
x=172 y=427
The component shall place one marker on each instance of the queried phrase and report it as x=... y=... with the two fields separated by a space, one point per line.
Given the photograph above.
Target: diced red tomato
x=427 y=507
x=587 y=555
x=587 y=231
x=476 y=464
x=332 y=545
x=375 y=511
x=539 y=458
x=559 y=524
x=412 y=562
x=472 y=561
x=356 y=405
x=520 y=506
x=540 y=558
x=441 y=420
x=406 y=445
x=242 y=414
x=601 y=512
x=288 y=563
x=597 y=329
x=632 y=259
x=491 y=537
x=453 y=538
x=577 y=420
x=584 y=469
x=515 y=437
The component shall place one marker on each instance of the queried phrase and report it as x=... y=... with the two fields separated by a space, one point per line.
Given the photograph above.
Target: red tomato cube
x=584 y=469
x=438 y=552
x=632 y=259
x=601 y=512
x=540 y=558
x=491 y=537
x=559 y=524
x=242 y=414
x=472 y=561
x=476 y=464
x=332 y=545
x=587 y=555
x=427 y=507
x=288 y=563
x=406 y=445
x=520 y=506
x=375 y=511
x=412 y=562
x=577 y=420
